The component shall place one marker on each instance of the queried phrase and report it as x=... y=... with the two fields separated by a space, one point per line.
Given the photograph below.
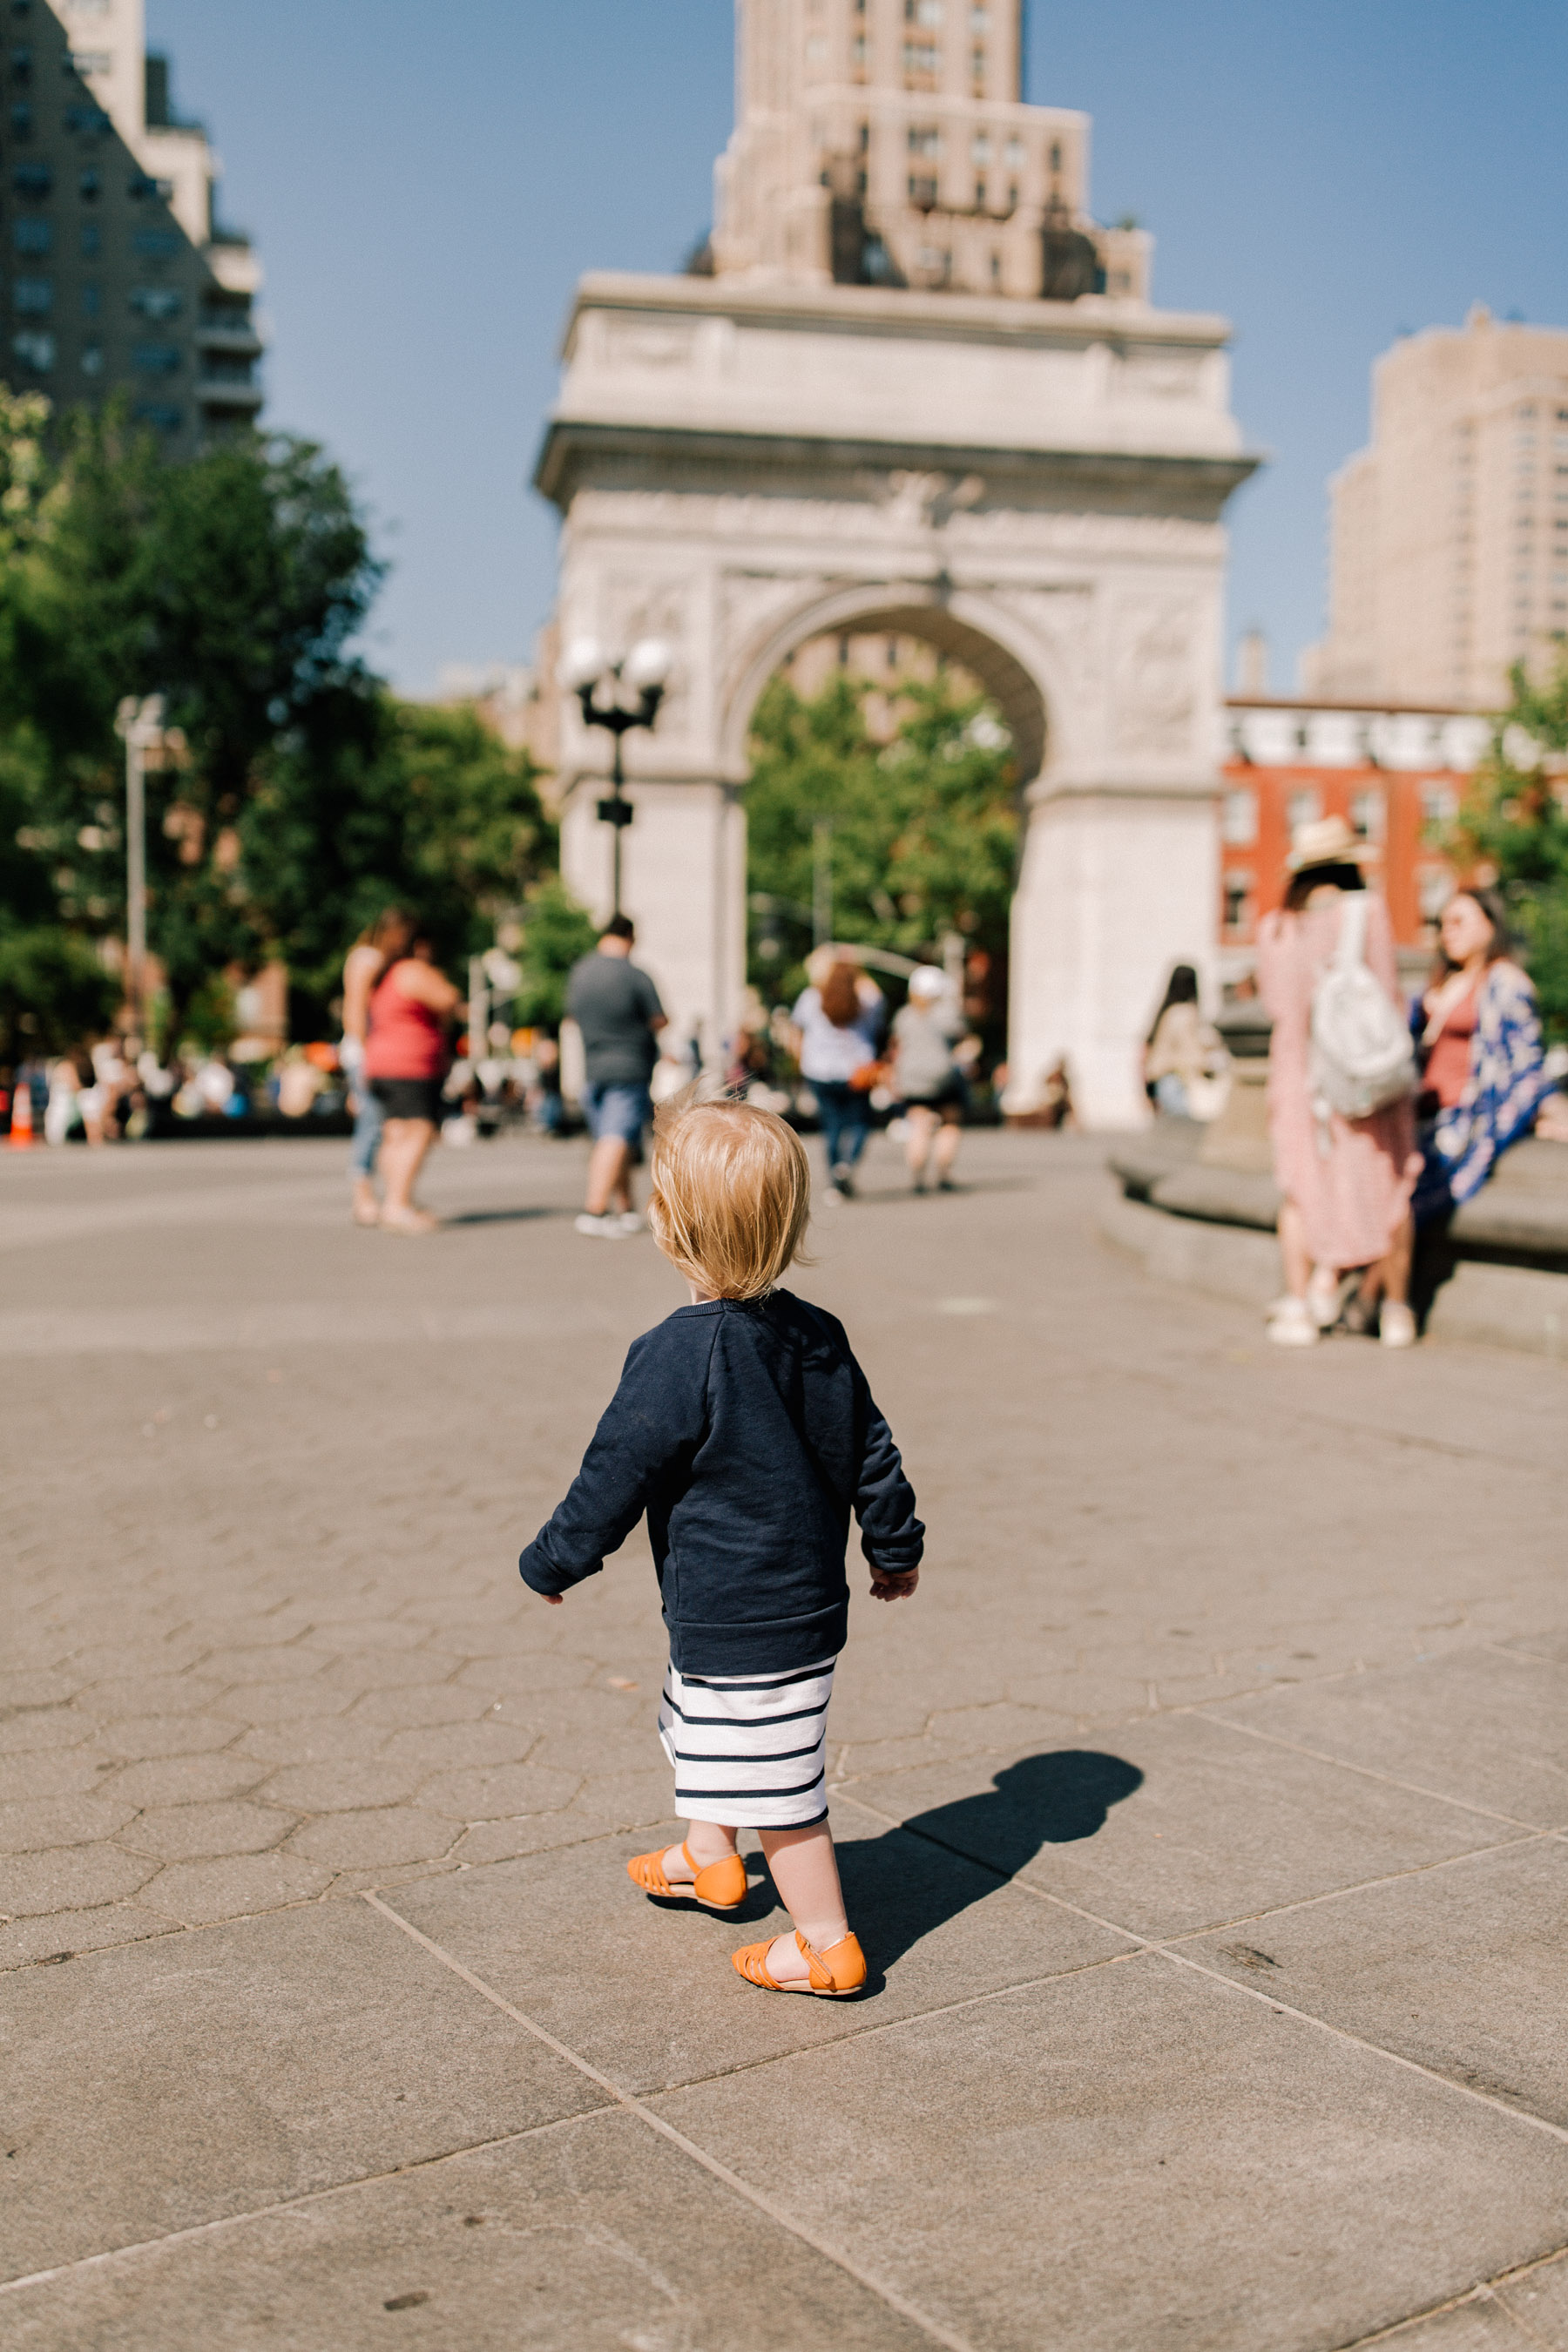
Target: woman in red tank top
x=405 y=1060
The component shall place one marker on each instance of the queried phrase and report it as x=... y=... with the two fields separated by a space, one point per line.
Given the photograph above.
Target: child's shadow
x=915 y=1878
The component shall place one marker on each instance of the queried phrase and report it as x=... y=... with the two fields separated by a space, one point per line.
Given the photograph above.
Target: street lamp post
x=141 y=726
x=599 y=685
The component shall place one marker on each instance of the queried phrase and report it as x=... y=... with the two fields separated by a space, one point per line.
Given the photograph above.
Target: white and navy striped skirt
x=749 y=1750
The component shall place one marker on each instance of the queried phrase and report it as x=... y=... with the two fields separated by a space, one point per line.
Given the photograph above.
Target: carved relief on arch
x=1154 y=701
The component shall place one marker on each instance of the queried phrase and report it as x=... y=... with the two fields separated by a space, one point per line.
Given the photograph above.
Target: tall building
x=115 y=275
x=1449 y=534
x=885 y=142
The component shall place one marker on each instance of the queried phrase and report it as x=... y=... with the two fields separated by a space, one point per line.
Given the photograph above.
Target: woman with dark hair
x=1184 y=1062
x=1346 y=1181
x=833 y=1023
x=386 y=937
x=1483 y=1071
x=405 y=1061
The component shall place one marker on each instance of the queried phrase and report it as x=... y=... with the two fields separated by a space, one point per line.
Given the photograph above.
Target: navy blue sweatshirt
x=745 y=1430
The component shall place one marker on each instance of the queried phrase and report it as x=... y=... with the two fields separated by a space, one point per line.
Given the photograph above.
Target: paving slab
x=596 y=2236
x=1146 y=2158
x=247 y=2063
x=1539 y=2300
x=1486 y=1726
x=648 y=1993
x=1462 y=1969
x=1482 y=2324
x=1184 y=1825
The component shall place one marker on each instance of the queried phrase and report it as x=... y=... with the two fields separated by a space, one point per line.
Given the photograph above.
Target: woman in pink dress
x=406 y=1059
x=1346 y=1182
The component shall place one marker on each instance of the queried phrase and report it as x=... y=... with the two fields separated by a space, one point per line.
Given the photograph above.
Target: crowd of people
x=1386 y=1117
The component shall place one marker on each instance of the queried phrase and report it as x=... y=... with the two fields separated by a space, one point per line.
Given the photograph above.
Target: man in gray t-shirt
x=619 y=1015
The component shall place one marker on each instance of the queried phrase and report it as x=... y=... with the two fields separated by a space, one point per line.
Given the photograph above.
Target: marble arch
x=1038 y=485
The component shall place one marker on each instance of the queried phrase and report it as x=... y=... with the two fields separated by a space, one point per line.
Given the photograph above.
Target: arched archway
x=1036 y=489
x=970 y=635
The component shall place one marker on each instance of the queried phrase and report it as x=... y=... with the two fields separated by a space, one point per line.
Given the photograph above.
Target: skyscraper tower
x=114 y=273
x=886 y=142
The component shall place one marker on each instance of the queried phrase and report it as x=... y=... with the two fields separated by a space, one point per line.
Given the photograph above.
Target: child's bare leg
x=705 y=1842
x=805 y=1872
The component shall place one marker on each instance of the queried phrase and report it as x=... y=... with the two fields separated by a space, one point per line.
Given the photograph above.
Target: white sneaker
x=1291 y=1324
x=630 y=1221
x=1396 y=1324
x=602 y=1229
x=1324 y=1294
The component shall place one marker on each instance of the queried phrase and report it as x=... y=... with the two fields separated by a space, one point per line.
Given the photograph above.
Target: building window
x=87 y=62
x=32 y=180
x=1237 y=901
x=35 y=236
x=92 y=358
x=980 y=151
x=922 y=57
x=980 y=20
x=92 y=241
x=924 y=12
x=924 y=139
x=995 y=269
x=892 y=655
x=1369 y=815
x=1056 y=154
x=21 y=120
x=34 y=349
x=1238 y=818
x=843 y=653
x=33 y=297
x=1014 y=155
x=1439 y=804
x=91 y=187
x=157 y=301
x=1304 y=807
x=922 y=192
x=159 y=414
x=91 y=299
x=977 y=65
x=980 y=195
x=21 y=68
x=156 y=359
x=156 y=243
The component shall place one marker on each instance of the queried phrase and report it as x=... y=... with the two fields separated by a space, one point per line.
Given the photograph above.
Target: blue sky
x=426 y=185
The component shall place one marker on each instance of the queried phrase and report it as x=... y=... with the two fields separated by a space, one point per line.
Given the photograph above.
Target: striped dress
x=750 y=1751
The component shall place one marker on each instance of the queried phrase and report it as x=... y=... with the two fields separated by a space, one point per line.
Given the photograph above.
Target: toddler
x=745 y=1428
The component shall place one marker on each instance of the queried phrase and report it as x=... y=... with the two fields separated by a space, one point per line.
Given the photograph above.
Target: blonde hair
x=732 y=1195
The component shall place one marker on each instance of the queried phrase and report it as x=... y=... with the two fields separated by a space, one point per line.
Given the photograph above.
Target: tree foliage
x=300 y=796
x=1514 y=826
x=919 y=834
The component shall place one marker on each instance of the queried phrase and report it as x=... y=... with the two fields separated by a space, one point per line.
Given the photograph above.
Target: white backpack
x=1362 y=1055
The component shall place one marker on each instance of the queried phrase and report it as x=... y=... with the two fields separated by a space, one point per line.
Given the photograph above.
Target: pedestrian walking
x=387 y=939
x=1346 y=1179
x=405 y=1061
x=834 y=1023
x=745 y=1429
x=927 y=1079
x=1483 y=1061
x=619 y=1015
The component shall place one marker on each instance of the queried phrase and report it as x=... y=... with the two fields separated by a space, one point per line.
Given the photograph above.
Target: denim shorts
x=619 y=1110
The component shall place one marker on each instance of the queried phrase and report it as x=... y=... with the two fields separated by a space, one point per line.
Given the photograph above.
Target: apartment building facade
x=886 y=142
x=1448 y=557
x=115 y=275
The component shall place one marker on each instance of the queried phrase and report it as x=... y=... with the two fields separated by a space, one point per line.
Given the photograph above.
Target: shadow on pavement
x=914 y=1879
x=503 y=1217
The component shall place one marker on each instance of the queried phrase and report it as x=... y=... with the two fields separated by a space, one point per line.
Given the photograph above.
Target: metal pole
x=479 y=1014
x=618 y=778
x=135 y=874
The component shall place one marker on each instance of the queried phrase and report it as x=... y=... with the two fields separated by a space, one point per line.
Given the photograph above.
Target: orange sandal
x=834 y=1975
x=721 y=1886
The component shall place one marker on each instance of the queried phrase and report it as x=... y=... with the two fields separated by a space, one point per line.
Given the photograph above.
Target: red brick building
x=1396 y=775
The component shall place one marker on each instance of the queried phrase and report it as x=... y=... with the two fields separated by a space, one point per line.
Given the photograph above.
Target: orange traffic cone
x=22 y=1136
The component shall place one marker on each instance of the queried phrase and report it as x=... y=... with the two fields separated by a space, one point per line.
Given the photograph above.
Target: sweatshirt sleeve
x=891 y=1537
x=657 y=1413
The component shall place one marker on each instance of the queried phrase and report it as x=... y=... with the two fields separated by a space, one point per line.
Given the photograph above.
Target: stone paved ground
x=1205 y=1817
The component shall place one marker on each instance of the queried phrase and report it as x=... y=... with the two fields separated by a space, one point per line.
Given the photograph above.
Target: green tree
x=1514 y=824
x=919 y=834
x=556 y=931
x=232 y=585
x=388 y=802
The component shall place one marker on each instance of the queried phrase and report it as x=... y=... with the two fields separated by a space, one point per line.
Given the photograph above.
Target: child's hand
x=893 y=1588
x=554 y=1599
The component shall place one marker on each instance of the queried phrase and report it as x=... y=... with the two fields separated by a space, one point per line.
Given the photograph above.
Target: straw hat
x=1326 y=841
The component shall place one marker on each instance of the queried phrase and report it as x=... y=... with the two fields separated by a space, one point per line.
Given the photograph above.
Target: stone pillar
x=683 y=883
x=1116 y=888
